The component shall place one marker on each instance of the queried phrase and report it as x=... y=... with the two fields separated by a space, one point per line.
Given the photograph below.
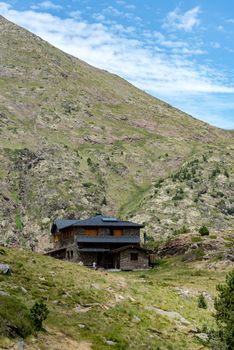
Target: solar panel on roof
x=109 y=219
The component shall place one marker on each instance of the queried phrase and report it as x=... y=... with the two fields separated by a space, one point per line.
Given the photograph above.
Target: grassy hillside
x=156 y=309
x=76 y=140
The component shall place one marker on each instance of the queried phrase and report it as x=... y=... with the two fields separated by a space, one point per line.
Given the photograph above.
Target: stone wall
x=131 y=232
x=127 y=264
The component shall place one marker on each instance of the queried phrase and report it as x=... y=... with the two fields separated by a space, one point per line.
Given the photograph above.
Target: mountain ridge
x=76 y=140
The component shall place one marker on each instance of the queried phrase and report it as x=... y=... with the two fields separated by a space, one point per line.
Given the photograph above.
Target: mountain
x=76 y=140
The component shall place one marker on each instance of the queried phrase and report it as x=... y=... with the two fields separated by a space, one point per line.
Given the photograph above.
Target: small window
x=91 y=232
x=134 y=256
x=57 y=237
x=118 y=232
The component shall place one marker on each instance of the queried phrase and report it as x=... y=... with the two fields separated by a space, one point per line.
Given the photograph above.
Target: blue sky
x=179 y=51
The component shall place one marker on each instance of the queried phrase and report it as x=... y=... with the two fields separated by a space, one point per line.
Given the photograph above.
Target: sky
x=179 y=51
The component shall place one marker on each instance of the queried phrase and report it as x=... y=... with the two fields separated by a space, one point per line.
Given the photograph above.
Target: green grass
x=120 y=305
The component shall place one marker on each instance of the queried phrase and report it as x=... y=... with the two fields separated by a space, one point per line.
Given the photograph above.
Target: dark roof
x=96 y=221
x=130 y=247
x=54 y=251
x=107 y=239
x=60 y=224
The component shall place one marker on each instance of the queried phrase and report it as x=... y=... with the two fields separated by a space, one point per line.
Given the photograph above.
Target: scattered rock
x=193 y=331
x=81 y=325
x=4 y=293
x=190 y=293
x=119 y=297
x=230 y=257
x=170 y=314
x=136 y=319
x=131 y=298
x=110 y=342
x=81 y=309
x=24 y=290
x=52 y=273
x=174 y=247
x=5 y=269
x=184 y=293
x=95 y=286
x=45 y=221
x=194 y=246
x=20 y=345
x=202 y=336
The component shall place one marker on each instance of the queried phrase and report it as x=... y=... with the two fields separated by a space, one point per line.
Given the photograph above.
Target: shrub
x=201 y=302
x=14 y=318
x=89 y=161
x=196 y=239
x=180 y=231
x=179 y=195
x=224 y=306
x=158 y=262
x=38 y=314
x=158 y=183
x=2 y=251
x=215 y=172
x=230 y=211
x=203 y=230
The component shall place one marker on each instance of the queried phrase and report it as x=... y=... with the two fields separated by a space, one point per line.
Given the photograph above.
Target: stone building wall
x=127 y=264
x=131 y=232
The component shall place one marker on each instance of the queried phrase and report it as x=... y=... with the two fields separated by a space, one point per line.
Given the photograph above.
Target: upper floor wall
x=67 y=235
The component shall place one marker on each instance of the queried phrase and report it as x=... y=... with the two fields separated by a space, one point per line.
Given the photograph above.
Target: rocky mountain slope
x=76 y=140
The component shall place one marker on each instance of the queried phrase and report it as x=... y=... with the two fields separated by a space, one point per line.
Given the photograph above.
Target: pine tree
x=224 y=306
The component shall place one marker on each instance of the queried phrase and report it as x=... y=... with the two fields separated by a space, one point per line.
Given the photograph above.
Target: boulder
x=5 y=269
x=202 y=336
x=2 y=293
x=110 y=342
x=20 y=345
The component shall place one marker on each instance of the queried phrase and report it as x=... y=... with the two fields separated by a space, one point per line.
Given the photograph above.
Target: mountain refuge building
x=99 y=241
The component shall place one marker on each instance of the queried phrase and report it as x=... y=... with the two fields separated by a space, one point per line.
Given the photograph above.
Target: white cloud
x=114 y=12
x=47 y=5
x=215 y=45
x=231 y=20
x=176 y=20
x=130 y=7
x=75 y=14
x=4 y=7
x=111 y=48
x=220 y=27
x=154 y=63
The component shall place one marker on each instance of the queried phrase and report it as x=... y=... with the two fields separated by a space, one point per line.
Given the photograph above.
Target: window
x=91 y=232
x=118 y=232
x=134 y=256
x=57 y=237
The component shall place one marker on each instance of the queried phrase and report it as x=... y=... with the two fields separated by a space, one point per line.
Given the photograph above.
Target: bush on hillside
x=15 y=319
x=38 y=314
x=203 y=230
x=201 y=302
